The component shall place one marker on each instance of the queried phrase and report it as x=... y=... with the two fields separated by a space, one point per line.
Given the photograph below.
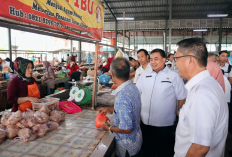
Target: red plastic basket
x=69 y=107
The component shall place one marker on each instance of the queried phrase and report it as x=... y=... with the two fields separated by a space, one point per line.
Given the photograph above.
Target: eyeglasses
x=184 y=56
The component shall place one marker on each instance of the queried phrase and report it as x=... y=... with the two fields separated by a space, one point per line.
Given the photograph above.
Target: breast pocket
x=166 y=88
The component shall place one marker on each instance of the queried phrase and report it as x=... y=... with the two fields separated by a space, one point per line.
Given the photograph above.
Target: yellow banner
x=72 y=16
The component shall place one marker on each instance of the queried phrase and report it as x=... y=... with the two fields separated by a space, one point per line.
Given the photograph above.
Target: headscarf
x=109 y=60
x=11 y=63
x=49 y=69
x=99 y=62
x=73 y=58
x=20 y=66
x=216 y=72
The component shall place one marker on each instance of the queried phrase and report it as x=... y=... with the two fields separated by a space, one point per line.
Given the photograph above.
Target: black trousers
x=157 y=141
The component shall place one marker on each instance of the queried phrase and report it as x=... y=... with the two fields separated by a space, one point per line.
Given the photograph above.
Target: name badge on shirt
x=166 y=81
x=149 y=76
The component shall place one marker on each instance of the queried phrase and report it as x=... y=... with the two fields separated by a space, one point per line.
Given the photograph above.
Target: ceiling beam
x=107 y=5
x=177 y=5
x=228 y=8
x=164 y=18
x=179 y=11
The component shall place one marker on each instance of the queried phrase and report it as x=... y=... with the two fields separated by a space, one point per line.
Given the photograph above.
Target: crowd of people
x=175 y=106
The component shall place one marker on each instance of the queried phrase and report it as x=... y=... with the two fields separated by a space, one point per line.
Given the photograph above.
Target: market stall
x=77 y=135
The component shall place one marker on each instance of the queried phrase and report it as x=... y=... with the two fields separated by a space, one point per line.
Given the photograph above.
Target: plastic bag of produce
x=40 y=129
x=52 y=125
x=29 y=118
x=21 y=125
x=5 y=117
x=6 y=67
x=26 y=135
x=55 y=116
x=15 y=118
x=2 y=133
x=41 y=117
x=12 y=131
x=100 y=119
x=62 y=113
x=45 y=110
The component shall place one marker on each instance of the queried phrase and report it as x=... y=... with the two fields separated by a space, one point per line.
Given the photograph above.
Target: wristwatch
x=110 y=130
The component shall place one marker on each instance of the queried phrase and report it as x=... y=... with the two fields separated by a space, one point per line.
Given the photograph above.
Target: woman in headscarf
x=23 y=89
x=216 y=72
x=49 y=76
x=72 y=66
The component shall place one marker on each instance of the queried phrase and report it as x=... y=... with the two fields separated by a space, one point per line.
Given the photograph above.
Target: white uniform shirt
x=227 y=89
x=139 y=71
x=159 y=95
x=203 y=119
x=225 y=68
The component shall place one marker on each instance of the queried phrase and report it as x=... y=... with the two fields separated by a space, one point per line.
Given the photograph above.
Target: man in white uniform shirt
x=227 y=70
x=203 y=120
x=161 y=89
x=143 y=58
x=223 y=59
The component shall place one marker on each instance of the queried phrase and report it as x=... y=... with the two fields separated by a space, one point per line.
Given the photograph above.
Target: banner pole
x=94 y=96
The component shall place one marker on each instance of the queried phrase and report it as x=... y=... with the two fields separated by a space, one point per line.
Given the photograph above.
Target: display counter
x=77 y=136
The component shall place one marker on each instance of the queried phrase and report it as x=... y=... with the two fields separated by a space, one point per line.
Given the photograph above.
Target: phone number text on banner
x=82 y=18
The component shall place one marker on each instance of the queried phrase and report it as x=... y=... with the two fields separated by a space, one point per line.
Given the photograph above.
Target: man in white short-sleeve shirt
x=161 y=89
x=143 y=58
x=223 y=58
x=203 y=120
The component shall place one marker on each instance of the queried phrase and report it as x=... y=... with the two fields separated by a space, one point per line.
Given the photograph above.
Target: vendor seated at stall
x=49 y=76
x=38 y=62
x=134 y=64
x=23 y=89
x=77 y=76
x=33 y=58
x=106 y=68
x=72 y=66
